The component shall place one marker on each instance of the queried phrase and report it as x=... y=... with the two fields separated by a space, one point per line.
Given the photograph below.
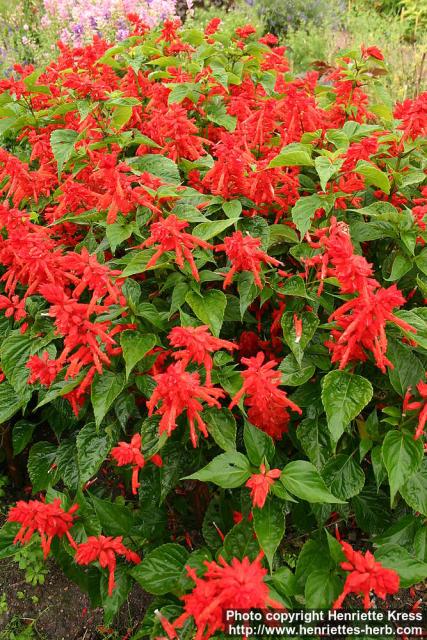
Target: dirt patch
x=58 y=609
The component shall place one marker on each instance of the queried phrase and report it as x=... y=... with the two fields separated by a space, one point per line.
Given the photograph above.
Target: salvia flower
x=169 y=234
x=179 y=391
x=238 y=585
x=267 y=403
x=366 y=575
x=104 y=549
x=48 y=519
x=260 y=483
x=410 y=404
x=245 y=254
x=130 y=453
x=197 y=344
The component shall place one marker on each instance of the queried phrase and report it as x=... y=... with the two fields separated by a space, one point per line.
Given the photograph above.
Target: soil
x=60 y=611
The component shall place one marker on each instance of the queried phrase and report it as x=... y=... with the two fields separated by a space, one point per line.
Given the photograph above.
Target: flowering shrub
x=213 y=327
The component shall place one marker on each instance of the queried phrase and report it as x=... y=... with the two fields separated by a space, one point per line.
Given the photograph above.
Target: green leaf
x=232 y=208
x=208 y=230
x=402 y=456
x=321 y=589
x=221 y=426
x=209 y=308
x=121 y=115
x=410 y=570
x=248 y=291
x=10 y=403
x=115 y=519
x=62 y=142
x=240 y=542
x=161 y=569
x=157 y=165
x=93 y=447
x=66 y=461
x=315 y=553
x=407 y=371
x=414 y=491
x=259 y=445
x=15 y=352
x=304 y=210
x=21 y=434
x=282 y=233
x=135 y=346
x=344 y=395
x=117 y=233
x=7 y=536
x=105 y=389
x=401 y=265
x=294 y=286
x=310 y=322
x=314 y=437
x=303 y=480
x=371 y=510
x=293 y=155
x=42 y=474
x=326 y=169
x=373 y=175
x=294 y=374
x=343 y=476
x=228 y=470
x=269 y=525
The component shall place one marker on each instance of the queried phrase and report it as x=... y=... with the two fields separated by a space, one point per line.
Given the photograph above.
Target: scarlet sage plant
x=213 y=333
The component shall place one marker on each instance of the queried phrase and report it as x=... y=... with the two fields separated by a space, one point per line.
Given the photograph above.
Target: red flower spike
x=197 y=344
x=130 y=453
x=171 y=237
x=104 y=550
x=180 y=391
x=238 y=585
x=48 y=519
x=245 y=255
x=365 y=575
x=260 y=484
x=267 y=403
x=421 y=405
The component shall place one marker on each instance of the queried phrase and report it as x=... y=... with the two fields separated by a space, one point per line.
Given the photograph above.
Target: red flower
x=239 y=585
x=43 y=369
x=268 y=404
x=130 y=453
x=179 y=391
x=212 y=26
x=298 y=328
x=245 y=255
x=168 y=233
x=366 y=575
x=104 y=549
x=269 y=39
x=260 y=484
x=415 y=405
x=245 y=31
x=361 y=327
x=198 y=344
x=48 y=519
x=371 y=52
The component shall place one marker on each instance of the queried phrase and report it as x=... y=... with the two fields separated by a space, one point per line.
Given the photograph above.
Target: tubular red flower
x=130 y=453
x=104 y=550
x=245 y=255
x=260 y=484
x=48 y=519
x=267 y=403
x=365 y=575
x=238 y=585
x=171 y=237
x=414 y=405
x=197 y=344
x=180 y=391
